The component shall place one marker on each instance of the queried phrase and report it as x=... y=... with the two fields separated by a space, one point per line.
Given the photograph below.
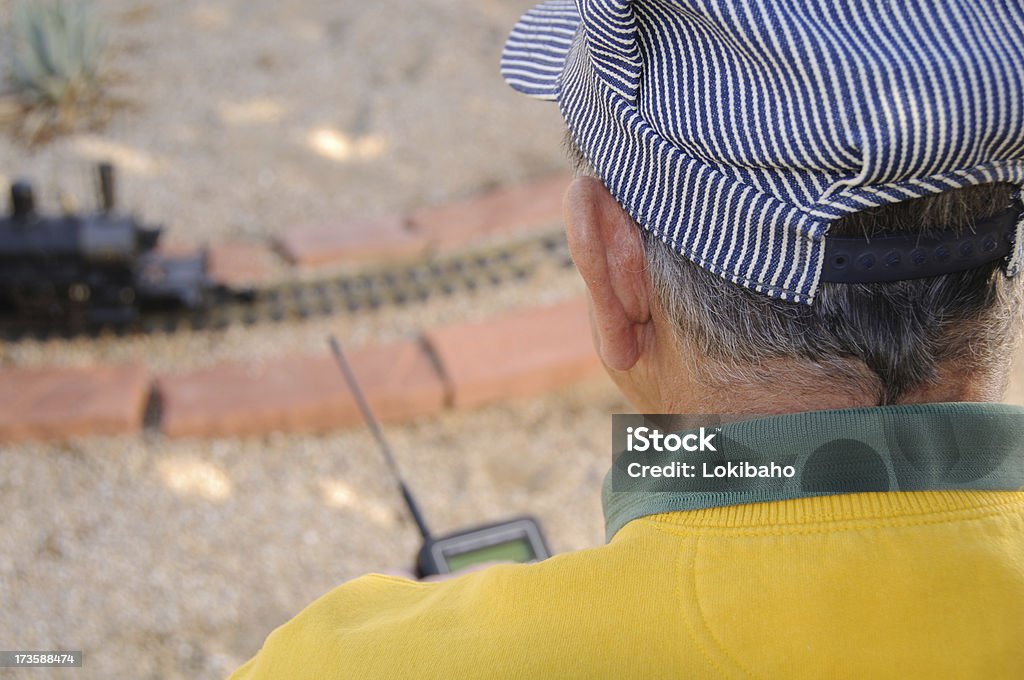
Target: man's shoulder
x=507 y=619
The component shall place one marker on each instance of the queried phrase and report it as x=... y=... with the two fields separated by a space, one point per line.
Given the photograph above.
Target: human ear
x=606 y=246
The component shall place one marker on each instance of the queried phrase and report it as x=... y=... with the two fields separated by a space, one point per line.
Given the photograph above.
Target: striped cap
x=738 y=131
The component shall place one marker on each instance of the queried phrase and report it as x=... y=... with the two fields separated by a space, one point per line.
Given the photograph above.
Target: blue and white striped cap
x=737 y=131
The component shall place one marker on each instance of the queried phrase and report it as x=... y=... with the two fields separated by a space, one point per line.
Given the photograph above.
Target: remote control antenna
x=371 y=422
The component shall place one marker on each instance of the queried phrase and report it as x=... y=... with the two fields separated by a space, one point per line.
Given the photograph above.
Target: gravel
x=175 y=559
x=245 y=117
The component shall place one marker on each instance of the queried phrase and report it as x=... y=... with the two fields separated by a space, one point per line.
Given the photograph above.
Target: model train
x=98 y=269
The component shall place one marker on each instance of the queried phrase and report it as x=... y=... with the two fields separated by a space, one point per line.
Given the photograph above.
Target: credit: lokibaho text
x=711 y=470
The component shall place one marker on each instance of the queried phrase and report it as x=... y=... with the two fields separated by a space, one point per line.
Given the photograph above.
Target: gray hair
x=880 y=340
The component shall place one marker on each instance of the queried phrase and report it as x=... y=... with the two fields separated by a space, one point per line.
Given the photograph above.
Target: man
x=802 y=214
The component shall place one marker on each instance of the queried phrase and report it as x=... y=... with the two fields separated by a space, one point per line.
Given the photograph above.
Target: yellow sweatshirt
x=894 y=584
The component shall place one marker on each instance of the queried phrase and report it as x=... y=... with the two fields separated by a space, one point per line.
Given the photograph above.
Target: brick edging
x=390 y=239
x=464 y=365
x=62 y=403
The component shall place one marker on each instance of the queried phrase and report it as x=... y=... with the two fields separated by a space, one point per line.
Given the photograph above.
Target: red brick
x=520 y=354
x=178 y=248
x=239 y=264
x=376 y=240
x=299 y=393
x=235 y=264
x=505 y=211
x=60 y=403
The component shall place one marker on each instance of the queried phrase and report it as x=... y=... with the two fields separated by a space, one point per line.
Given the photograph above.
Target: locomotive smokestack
x=23 y=201
x=107 y=195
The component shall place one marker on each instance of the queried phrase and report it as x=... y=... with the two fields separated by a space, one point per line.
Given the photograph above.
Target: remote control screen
x=518 y=550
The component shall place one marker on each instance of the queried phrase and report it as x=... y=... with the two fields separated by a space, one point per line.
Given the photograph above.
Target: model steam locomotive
x=98 y=269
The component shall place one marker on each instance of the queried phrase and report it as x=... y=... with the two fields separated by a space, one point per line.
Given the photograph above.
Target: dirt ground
x=168 y=559
x=174 y=559
x=243 y=117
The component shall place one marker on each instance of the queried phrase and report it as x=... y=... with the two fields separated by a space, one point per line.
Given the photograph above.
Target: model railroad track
x=349 y=292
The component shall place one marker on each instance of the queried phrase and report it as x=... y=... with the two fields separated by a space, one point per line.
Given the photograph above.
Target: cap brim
x=536 y=48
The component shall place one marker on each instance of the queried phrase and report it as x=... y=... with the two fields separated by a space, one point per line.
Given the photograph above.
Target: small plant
x=58 y=54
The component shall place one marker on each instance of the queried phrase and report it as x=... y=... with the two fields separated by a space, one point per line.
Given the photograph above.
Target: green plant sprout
x=58 y=54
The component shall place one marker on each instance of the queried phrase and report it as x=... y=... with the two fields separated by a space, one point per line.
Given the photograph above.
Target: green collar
x=916 y=447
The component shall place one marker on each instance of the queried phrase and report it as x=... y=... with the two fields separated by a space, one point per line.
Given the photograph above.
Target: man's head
x=734 y=144
x=677 y=338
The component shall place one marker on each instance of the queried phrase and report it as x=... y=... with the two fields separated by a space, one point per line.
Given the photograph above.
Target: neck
x=778 y=391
